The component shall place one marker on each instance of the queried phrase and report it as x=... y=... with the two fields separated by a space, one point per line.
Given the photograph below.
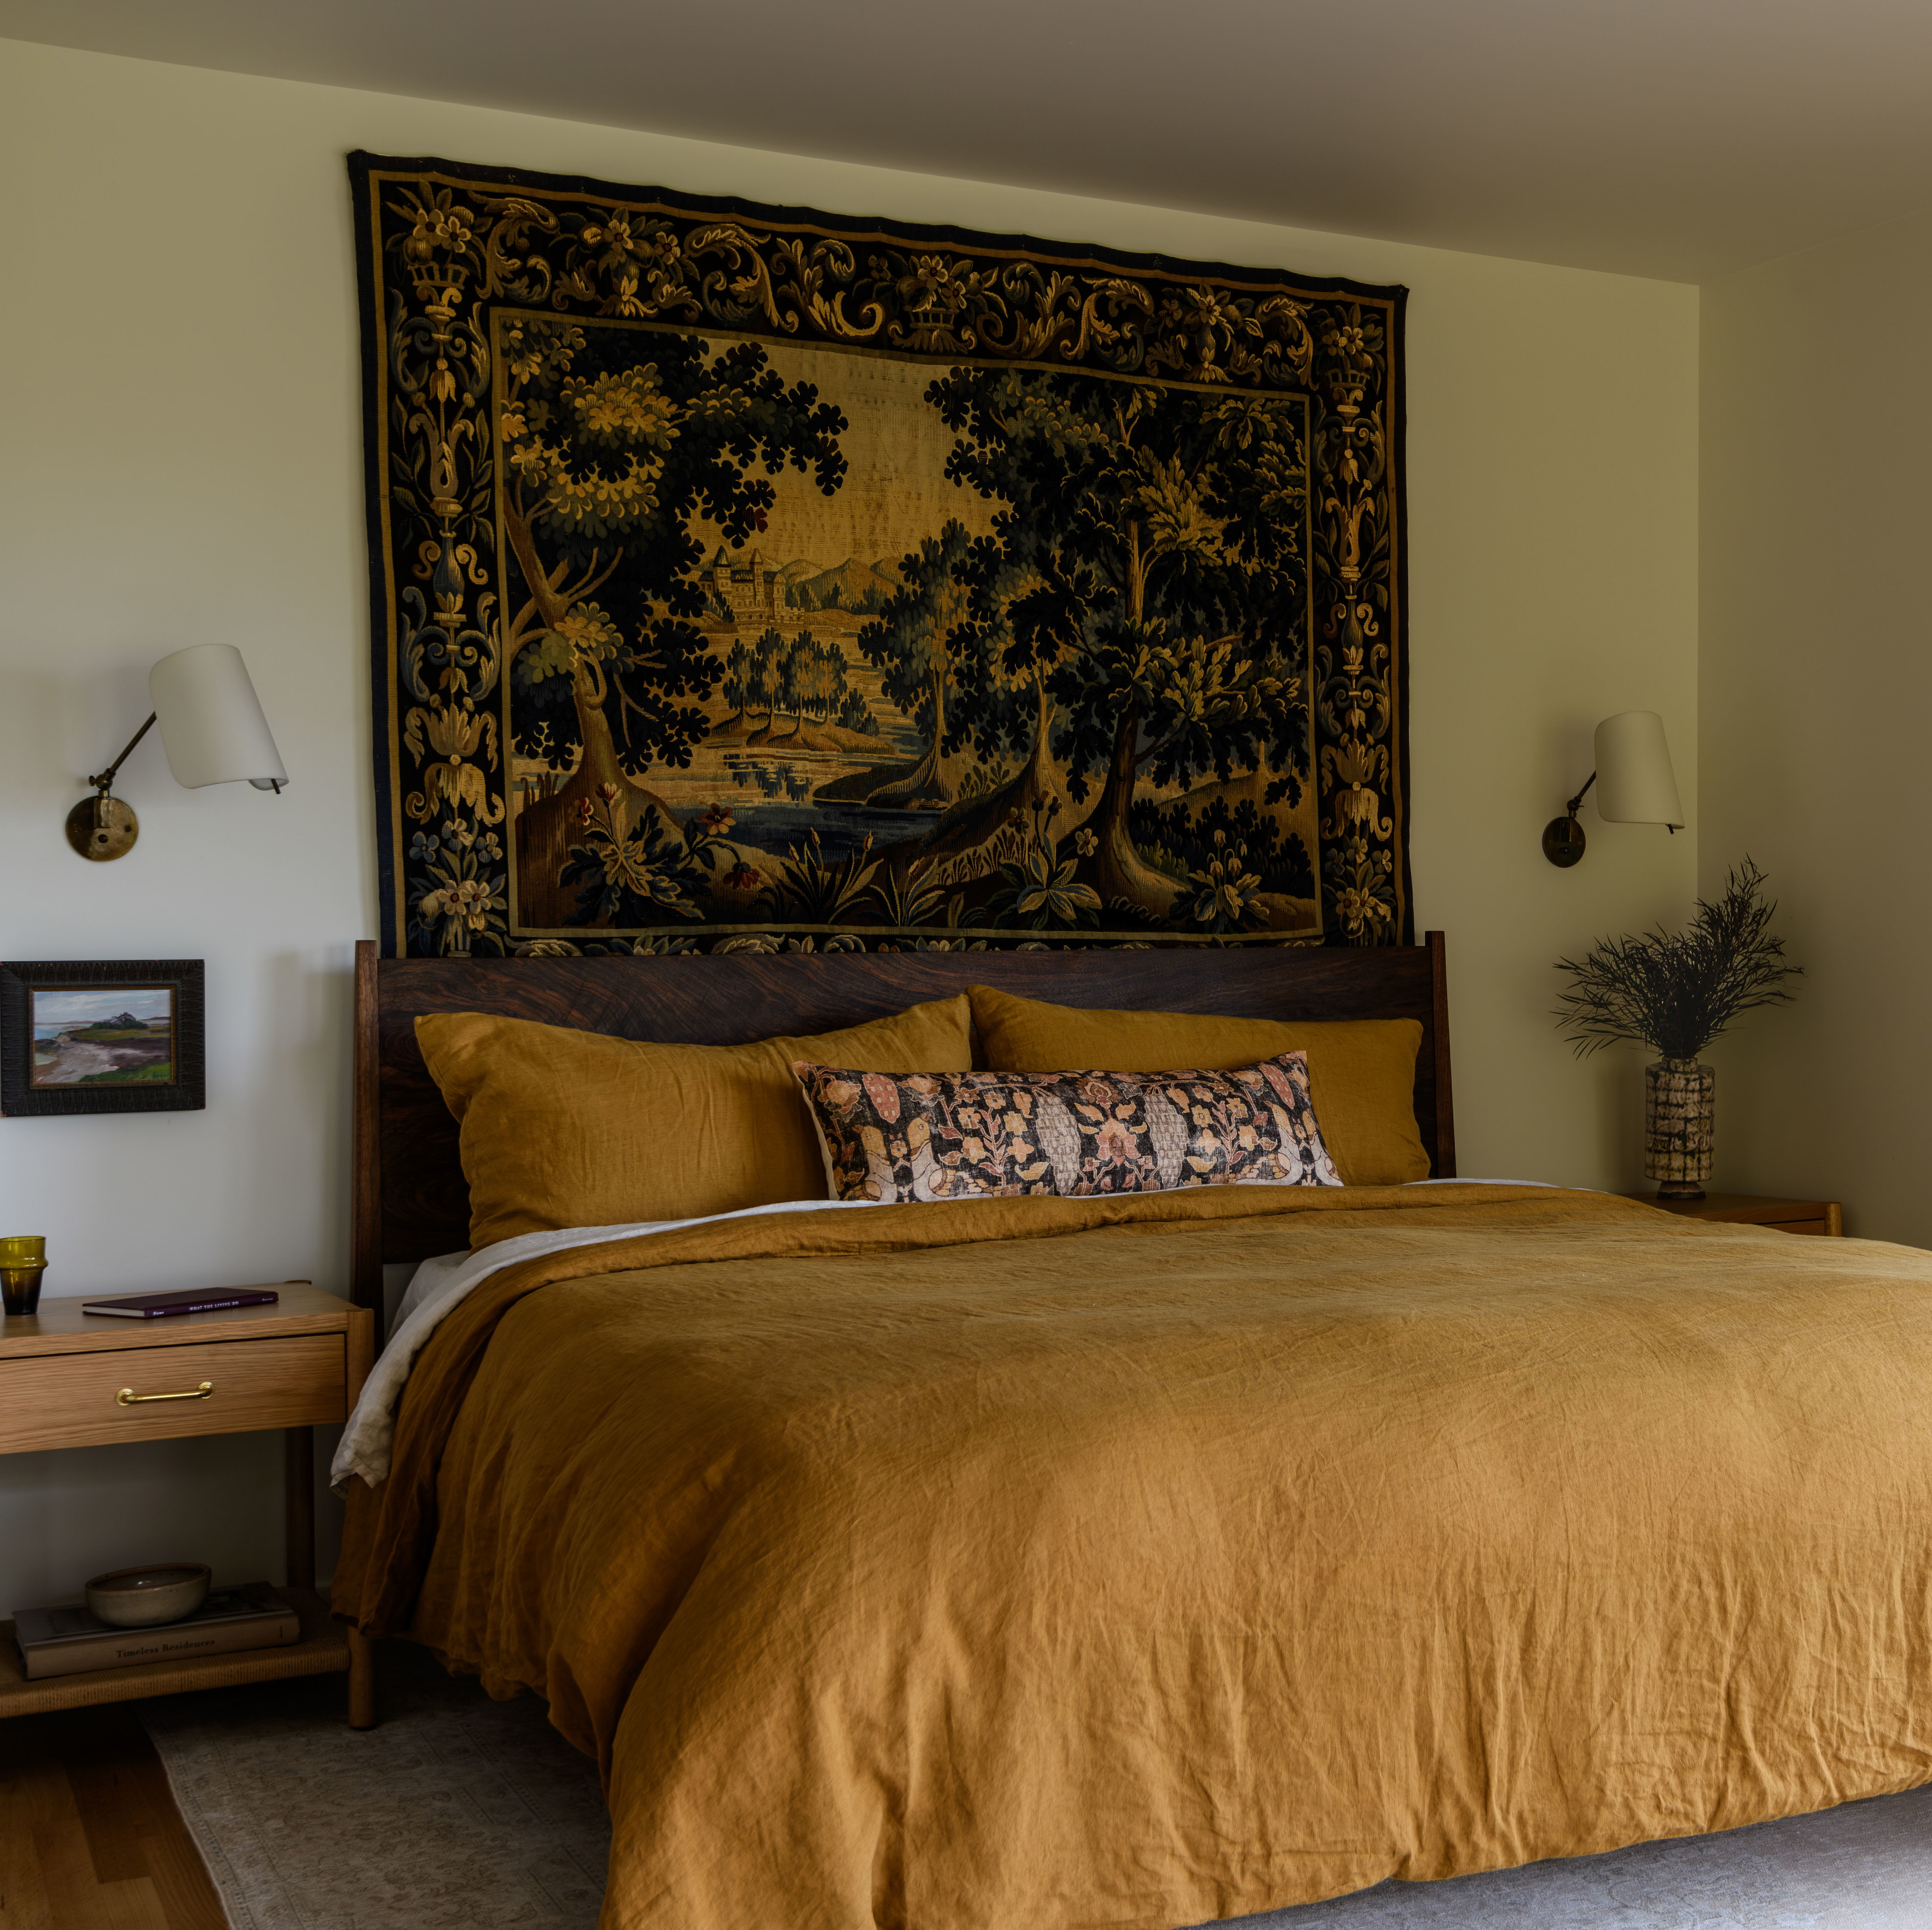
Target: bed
x=1138 y=1562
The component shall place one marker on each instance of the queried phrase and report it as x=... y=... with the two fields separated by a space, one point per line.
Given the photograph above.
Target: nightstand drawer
x=72 y=1400
x=1819 y=1218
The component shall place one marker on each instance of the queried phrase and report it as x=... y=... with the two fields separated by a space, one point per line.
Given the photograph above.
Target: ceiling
x=1679 y=139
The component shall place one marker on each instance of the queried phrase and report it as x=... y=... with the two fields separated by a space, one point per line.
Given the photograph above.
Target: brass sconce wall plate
x=1563 y=840
x=102 y=828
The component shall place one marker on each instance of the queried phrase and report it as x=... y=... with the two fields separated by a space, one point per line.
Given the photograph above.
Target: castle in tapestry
x=752 y=591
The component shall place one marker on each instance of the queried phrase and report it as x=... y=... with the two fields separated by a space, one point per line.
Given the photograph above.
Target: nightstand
x=72 y=1380
x=1797 y=1216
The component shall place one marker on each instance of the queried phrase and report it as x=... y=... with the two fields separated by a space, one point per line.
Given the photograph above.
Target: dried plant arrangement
x=1676 y=993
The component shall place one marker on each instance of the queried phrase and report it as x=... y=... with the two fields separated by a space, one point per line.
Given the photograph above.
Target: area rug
x=462 y=1814
x=457 y=1813
x=1864 y=1866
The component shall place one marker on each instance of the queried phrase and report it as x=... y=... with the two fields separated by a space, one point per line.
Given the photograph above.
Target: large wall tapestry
x=751 y=578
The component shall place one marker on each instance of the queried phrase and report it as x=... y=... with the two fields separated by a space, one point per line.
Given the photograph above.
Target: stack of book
x=69 y=1641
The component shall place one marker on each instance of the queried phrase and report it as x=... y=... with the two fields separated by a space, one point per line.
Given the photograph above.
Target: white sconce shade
x=1635 y=783
x=212 y=724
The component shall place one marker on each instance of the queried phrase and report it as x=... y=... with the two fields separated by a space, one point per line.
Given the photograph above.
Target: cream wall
x=1817 y=683
x=178 y=386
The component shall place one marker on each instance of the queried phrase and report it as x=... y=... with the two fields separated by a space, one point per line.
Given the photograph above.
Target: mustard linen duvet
x=1031 y=1564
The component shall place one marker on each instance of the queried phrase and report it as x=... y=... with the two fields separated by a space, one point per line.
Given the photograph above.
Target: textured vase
x=1680 y=1103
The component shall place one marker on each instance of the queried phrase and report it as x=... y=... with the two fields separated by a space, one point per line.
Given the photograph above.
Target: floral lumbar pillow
x=959 y=1135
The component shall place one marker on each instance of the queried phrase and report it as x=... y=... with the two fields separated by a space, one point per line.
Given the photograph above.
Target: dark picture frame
x=182 y=1088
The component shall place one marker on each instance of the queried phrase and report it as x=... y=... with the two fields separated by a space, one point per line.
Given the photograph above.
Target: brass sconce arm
x=102 y=827
x=105 y=782
x=1563 y=836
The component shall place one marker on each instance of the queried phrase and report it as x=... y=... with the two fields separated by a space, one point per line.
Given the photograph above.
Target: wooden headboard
x=410 y=1197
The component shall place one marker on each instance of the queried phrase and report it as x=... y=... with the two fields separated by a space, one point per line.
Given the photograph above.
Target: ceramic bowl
x=139 y=1598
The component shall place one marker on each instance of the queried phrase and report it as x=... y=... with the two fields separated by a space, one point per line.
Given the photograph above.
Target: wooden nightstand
x=291 y=1366
x=1799 y=1216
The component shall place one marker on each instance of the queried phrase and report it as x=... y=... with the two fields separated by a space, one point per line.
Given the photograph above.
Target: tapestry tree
x=1147 y=572
x=610 y=440
x=912 y=642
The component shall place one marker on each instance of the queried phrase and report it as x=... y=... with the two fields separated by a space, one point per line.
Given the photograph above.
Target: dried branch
x=1677 y=993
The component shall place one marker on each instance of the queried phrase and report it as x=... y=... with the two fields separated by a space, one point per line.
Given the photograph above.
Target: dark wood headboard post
x=365 y=1233
x=1438 y=999
x=410 y=1201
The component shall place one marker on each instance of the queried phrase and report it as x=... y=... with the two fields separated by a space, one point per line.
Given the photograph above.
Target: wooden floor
x=90 y=1838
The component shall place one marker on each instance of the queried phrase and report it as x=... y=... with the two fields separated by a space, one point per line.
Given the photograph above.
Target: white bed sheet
x=367 y=1440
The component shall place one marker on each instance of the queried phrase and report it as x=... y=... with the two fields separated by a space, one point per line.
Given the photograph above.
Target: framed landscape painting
x=118 y=1036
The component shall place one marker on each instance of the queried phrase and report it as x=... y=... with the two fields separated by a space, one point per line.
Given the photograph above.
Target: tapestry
x=749 y=578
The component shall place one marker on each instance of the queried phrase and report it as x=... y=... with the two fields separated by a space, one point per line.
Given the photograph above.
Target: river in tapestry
x=800 y=638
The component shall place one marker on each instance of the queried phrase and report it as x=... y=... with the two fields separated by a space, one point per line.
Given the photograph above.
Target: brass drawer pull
x=128 y=1397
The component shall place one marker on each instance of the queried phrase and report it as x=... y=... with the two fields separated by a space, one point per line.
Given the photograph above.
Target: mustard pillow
x=566 y=1128
x=1361 y=1071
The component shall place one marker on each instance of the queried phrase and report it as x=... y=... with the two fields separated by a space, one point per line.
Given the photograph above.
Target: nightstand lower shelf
x=323 y=1648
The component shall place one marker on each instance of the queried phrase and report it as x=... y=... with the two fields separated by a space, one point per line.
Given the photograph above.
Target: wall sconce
x=212 y=730
x=1635 y=784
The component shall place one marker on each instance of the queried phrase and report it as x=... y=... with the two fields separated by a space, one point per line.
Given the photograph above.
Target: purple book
x=195 y=1300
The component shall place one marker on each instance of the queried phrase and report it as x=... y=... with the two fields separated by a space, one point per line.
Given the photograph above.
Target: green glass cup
x=23 y=1260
